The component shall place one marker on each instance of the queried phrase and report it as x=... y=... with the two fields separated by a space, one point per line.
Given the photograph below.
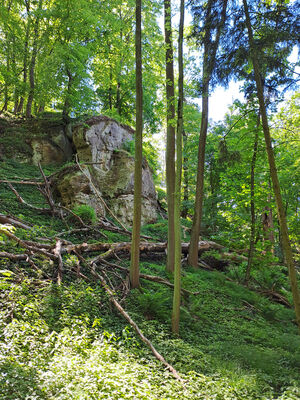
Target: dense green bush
x=86 y=213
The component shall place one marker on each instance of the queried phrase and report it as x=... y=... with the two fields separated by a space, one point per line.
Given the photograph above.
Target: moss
x=117 y=179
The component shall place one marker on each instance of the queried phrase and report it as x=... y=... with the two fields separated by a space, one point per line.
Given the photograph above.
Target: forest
x=147 y=249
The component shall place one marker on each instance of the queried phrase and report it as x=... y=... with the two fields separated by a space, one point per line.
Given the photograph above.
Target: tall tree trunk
x=177 y=224
x=25 y=59
x=210 y=50
x=6 y=83
x=193 y=251
x=268 y=229
x=185 y=208
x=7 y=79
x=110 y=88
x=16 y=77
x=268 y=224
x=170 y=151
x=118 y=98
x=67 y=103
x=33 y=61
x=252 y=208
x=288 y=254
x=136 y=229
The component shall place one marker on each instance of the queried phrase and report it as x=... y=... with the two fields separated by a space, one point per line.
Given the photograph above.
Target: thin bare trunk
x=185 y=178
x=288 y=254
x=177 y=224
x=210 y=50
x=67 y=103
x=136 y=229
x=252 y=209
x=33 y=62
x=170 y=151
x=25 y=59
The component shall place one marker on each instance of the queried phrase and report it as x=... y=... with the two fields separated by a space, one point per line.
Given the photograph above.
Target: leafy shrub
x=86 y=213
x=129 y=146
x=153 y=304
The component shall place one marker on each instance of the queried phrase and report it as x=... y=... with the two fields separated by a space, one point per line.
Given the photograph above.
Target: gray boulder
x=101 y=142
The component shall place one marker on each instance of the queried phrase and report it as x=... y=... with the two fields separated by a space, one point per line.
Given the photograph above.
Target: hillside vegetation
x=68 y=342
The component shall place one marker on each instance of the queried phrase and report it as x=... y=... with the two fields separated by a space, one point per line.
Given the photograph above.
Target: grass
x=68 y=343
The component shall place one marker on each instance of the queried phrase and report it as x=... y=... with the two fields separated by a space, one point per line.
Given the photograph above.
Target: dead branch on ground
x=136 y=328
x=153 y=278
x=14 y=221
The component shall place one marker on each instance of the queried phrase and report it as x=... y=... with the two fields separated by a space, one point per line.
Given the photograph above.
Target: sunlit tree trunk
x=268 y=226
x=25 y=58
x=67 y=103
x=184 y=212
x=33 y=61
x=170 y=151
x=135 y=244
x=177 y=224
x=288 y=255
x=252 y=209
x=210 y=50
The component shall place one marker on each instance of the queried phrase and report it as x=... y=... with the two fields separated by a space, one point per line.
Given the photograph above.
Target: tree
x=135 y=244
x=288 y=255
x=177 y=200
x=170 y=150
x=252 y=205
x=33 y=58
x=212 y=29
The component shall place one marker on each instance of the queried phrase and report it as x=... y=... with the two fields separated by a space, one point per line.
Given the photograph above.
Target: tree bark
x=252 y=209
x=177 y=224
x=25 y=59
x=170 y=151
x=185 y=178
x=137 y=212
x=67 y=103
x=288 y=255
x=33 y=61
x=210 y=50
x=268 y=228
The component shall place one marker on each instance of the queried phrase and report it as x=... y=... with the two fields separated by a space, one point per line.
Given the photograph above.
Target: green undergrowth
x=68 y=342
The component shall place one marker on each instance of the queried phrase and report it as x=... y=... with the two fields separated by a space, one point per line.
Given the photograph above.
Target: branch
x=22 y=182
x=31 y=248
x=136 y=328
x=11 y=220
x=47 y=192
x=22 y=201
x=152 y=278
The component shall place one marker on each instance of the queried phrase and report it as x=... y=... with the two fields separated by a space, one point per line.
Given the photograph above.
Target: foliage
x=85 y=212
x=56 y=342
x=66 y=342
x=82 y=57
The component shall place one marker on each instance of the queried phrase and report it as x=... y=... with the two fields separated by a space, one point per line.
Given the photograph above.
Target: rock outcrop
x=101 y=142
x=35 y=140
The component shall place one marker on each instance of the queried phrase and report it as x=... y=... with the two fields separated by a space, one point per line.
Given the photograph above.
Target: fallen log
x=14 y=221
x=13 y=257
x=24 y=245
x=277 y=297
x=21 y=182
x=145 y=247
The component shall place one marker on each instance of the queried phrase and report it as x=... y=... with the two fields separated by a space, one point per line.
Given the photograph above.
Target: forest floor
x=68 y=341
